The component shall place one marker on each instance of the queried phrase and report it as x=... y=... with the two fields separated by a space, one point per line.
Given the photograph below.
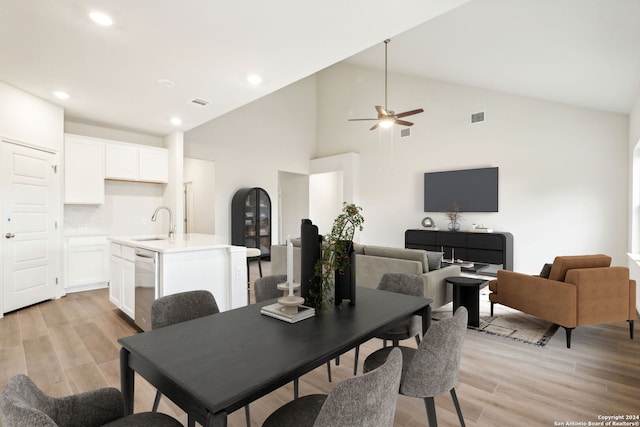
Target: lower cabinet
x=128 y=286
x=86 y=262
x=115 y=285
x=123 y=272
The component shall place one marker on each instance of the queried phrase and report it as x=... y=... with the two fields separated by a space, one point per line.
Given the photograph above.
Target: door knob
x=9 y=235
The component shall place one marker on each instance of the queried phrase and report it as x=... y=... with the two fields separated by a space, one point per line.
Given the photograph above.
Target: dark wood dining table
x=217 y=364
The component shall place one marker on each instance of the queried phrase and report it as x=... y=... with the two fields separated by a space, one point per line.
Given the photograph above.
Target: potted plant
x=336 y=268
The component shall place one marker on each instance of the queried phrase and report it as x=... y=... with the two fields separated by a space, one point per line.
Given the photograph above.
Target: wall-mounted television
x=475 y=190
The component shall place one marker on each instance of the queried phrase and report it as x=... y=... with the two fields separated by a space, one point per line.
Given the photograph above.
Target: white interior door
x=30 y=247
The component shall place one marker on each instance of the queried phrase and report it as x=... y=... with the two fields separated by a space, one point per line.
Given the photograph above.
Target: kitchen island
x=144 y=268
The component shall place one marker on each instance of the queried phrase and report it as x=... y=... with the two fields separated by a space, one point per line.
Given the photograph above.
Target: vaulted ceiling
x=580 y=52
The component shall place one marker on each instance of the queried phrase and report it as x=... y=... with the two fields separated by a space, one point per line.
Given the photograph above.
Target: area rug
x=506 y=322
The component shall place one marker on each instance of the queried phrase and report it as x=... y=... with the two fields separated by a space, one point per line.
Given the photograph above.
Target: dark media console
x=490 y=248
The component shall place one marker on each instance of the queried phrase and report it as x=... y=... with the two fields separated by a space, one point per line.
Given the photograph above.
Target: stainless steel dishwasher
x=146 y=285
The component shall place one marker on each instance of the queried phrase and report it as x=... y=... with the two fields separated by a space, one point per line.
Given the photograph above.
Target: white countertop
x=180 y=243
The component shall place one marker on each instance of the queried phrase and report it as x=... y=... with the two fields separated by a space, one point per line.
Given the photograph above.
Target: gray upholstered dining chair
x=178 y=308
x=181 y=307
x=433 y=367
x=407 y=284
x=366 y=400
x=23 y=404
x=266 y=288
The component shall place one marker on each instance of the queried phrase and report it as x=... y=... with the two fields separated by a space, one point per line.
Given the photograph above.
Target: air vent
x=477 y=117
x=405 y=132
x=200 y=102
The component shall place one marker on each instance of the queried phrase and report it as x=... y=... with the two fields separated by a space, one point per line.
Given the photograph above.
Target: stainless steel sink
x=149 y=239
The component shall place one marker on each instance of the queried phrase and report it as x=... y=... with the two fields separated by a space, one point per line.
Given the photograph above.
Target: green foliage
x=335 y=250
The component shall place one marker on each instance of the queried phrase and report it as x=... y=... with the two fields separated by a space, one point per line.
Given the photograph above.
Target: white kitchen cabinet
x=87 y=262
x=121 y=161
x=115 y=284
x=128 y=281
x=83 y=170
x=131 y=162
x=222 y=270
x=153 y=164
x=122 y=285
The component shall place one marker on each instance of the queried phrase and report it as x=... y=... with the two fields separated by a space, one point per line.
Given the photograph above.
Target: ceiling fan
x=386 y=118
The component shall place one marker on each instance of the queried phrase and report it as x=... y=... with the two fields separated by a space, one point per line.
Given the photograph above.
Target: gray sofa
x=373 y=261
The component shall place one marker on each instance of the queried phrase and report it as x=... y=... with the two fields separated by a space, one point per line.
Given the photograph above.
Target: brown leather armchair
x=581 y=290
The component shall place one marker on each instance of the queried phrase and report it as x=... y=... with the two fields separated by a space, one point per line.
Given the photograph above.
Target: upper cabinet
x=121 y=161
x=130 y=162
x=153 y=164
x=89 y=161
x=83 y=170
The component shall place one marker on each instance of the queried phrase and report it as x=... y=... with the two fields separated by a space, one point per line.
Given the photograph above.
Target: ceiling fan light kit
x=387 y=118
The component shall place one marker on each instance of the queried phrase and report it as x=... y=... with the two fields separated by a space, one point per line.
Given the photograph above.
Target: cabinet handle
x=9 y=235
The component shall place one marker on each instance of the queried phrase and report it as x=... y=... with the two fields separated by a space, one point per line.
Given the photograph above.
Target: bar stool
x=252 y=254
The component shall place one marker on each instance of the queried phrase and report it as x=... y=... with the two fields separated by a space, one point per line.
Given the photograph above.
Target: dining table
x=217 y=364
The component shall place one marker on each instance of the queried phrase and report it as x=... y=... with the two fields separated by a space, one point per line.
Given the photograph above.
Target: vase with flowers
x=454 y=217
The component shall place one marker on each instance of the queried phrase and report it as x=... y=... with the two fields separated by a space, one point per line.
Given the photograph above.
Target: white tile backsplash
x=127 y=210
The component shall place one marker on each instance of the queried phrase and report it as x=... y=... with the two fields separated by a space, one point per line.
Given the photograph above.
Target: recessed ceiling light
x=254 y=79
x=176 y=121
x=61 y=94
x=101 y=18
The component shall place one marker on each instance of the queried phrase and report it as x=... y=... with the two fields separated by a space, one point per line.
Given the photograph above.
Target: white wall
x=293 y=203
x=29 y=119
x=334 y=180
x=563 y=170
x=634 y=204
x=174 y=191
x=201 y=175
x=252 y=144
x=110 y=133
x=634 y=123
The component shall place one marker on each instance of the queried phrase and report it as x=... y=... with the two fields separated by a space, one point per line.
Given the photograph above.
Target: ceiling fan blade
x=410 y=113
x=381 y=111
x=374 y=127
x=403 y=123
x=357 y=120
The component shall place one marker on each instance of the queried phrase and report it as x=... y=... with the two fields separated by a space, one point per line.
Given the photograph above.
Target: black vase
x=310 y=253
x=345 y=281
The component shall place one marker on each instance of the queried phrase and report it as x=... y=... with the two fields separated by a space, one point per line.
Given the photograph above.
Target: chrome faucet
x=172 y=228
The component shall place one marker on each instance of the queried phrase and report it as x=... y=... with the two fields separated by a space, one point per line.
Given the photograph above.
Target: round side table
x=466 y=293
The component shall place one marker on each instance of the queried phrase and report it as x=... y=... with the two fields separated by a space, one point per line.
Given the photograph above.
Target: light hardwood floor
x=70 y=345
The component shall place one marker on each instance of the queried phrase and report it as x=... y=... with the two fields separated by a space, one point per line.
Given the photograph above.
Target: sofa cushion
x=546 y=269
x=358 y=248
x=434 y=259
x=562 y=264
x=399 y=253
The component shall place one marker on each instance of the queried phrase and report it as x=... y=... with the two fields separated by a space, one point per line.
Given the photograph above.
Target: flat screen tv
x=475 y=190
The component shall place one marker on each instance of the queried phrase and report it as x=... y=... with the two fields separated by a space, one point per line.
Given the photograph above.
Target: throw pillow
x=434 y=259
x=546 y=269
